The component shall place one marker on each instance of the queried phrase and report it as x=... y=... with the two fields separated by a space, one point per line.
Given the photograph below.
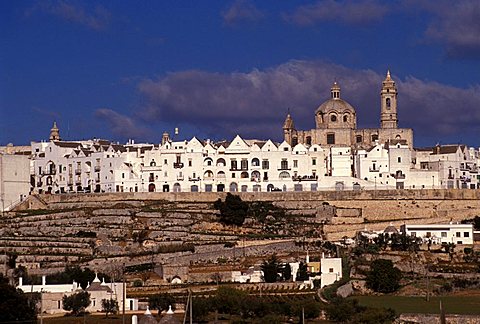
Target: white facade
x=246 y=166
x=14 y=179
x=438 y=234
x=331 y=271
x=52 y=295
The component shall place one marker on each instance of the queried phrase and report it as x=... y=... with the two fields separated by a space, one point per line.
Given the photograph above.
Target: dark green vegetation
x=16 y=306
x=468 y=305
x=109 y=306
x=383 y=276
x=76 y=303
x=234 y=210
x=475 y=221
x=350 y=311
x=232 y=304
x=161 y=302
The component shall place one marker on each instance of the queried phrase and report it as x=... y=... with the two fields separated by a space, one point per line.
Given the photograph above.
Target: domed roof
x=338 y=105
x=335 y=103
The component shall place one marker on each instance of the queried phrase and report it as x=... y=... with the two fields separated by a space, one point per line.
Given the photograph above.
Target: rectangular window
x=233 y=175
x=331 y=138
x=189 y=162
x=444 y=234
x=233 y=164
x=295 y=163
x=413 y=234
x=314 y=161
x=358 y=138
x=330 y=270
x=265 y=165
x=284 y=165
x=374 y=137
x=165 y=161
x=244 y=164
x=399 y=159
x=466 y=234
x=60 y=168
x=458 y=234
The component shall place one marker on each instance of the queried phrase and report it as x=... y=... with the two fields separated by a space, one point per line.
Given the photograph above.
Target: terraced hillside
x=179 y=229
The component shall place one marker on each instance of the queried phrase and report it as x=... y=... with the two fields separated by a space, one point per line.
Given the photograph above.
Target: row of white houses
x=245 y=165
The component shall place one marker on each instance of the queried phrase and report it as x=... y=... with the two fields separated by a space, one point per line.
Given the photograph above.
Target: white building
x=14 y=177
x=331 y=270
x=441 y=233
x=52 y=295
x=245 y=166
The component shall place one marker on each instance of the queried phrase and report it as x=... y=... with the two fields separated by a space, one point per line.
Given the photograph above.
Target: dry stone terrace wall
x=44 y=229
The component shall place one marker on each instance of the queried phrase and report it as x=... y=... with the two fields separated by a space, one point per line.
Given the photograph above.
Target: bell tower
x=54 y=133
x=388 y=95
x=288 y=129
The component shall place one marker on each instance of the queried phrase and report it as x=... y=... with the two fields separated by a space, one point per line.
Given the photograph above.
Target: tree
x=302 y=273
x=383 y=276
x=229 y=300
x=270 y=268
x=76 y=303
x=233 y=211
x=15 y=306
x=109 y=306
x=161 y=302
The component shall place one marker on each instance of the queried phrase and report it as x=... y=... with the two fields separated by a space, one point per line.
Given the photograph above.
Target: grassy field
x=468 y=305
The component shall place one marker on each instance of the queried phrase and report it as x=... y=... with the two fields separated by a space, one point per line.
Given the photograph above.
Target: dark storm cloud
x=97 y=18
x=456 y=25
x=121 y=125
x=254 y=104
x=350 y=12
x=241 y=10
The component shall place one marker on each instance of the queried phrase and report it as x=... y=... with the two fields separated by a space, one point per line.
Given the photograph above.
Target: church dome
x=335 y=112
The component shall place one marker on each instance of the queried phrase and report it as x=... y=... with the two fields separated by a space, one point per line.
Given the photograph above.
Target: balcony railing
x=180 y=178
x=151 y=179
x=78 y=182
x=193 y=178
x=97 y=180
x=284 y=168
x=49 y=172
x=373 y=169
x=97 y=168
x=78 y=171
x=398 y=176
x=177 y=165
x=305 y=178
x=451 y=177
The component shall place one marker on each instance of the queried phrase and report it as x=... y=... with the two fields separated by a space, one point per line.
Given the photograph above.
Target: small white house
x=441 y=233
x=331 y=270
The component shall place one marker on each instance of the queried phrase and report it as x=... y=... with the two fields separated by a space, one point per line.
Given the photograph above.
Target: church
x=336 y=123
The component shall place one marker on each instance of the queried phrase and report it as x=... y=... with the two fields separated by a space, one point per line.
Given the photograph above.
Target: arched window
x=221 y=162
x=255 y=175
x=284 y=175
x=221 y=175
x=208 y=162
x=255 y=162
x=153 y=163
x=208 y=174
x=388 y=103
x=244 y=175
x=333 y=118
x=345 y=118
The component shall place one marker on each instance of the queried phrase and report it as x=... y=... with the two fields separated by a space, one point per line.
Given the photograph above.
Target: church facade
x=336 y=123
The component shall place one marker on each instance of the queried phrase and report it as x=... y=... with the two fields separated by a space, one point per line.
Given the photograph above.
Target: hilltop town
x=182 y=218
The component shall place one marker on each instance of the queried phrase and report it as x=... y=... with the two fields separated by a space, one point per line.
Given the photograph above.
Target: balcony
x=78 y=182
x=451 y=177
x=193 y=179
x=265 y=178
x=78 y=171
x=97 y=168
x=49 y=172
x=97 y=180
x=151 y=179
x=177 y=165
x=305 y=178
x=373 y=169
x=180 y=177
x=284 y=168
x=398 y=176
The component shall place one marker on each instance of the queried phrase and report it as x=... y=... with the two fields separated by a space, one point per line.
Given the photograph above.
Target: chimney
x=44 y=280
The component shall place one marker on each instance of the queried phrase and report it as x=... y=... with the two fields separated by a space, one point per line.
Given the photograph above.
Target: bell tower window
x=345 y=118
x=333 y=118
x=388 y=103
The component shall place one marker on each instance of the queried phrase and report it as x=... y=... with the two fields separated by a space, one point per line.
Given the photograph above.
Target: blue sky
x=134 y=69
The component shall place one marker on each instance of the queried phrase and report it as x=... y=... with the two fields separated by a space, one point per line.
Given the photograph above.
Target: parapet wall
x=78 y=200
